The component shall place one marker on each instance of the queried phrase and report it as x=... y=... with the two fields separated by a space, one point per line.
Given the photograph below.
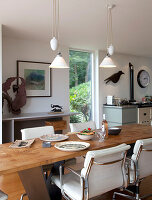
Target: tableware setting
x=54 y=137
x=86 y=134
x=72 y=146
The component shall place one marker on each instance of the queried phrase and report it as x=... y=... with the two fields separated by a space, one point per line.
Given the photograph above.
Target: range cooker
x=144 y=113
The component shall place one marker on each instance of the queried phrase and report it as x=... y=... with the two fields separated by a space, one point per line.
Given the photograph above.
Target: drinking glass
x=101 y=135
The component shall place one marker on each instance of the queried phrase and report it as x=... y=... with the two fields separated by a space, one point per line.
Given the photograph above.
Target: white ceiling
x=83 y=23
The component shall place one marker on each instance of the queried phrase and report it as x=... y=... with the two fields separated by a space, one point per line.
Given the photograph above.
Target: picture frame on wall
x=37 y=76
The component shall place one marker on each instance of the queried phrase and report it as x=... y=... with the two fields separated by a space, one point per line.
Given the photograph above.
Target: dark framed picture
x=37 y=76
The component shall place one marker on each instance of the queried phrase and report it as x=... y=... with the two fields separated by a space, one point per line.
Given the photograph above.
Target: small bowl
x=85 y=137
x=114 y=131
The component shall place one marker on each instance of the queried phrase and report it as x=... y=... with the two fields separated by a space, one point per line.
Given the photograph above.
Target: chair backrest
x=76 y=127
x=36 y=132
x=104 y=169
x=142 y=156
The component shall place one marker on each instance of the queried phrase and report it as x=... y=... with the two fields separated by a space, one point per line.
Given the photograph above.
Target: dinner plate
x=72 y=146
x=54 y=137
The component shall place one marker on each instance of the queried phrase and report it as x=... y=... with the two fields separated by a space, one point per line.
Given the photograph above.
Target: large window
x=80 y=85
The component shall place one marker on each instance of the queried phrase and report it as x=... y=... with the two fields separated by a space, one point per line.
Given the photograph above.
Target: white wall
x=15 y=49
x=122 y=88
x=0 y=84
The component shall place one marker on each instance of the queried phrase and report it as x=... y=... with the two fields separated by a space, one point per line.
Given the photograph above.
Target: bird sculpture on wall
x=114 y=78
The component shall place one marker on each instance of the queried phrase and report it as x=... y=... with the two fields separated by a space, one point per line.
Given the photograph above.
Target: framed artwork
x=37 y=76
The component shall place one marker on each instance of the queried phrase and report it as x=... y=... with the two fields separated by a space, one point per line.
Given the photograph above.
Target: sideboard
x=12 y=124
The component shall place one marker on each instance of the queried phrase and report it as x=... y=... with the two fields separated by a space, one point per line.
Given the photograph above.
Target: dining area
x=84 y=169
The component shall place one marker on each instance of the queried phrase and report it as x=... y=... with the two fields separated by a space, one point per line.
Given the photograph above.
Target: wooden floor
x=12 y=185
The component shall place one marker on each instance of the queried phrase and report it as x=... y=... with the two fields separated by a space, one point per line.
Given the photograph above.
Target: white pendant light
x=59 y=62
x=107 y=61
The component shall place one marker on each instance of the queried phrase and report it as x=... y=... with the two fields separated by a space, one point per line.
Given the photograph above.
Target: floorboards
x=12 y=185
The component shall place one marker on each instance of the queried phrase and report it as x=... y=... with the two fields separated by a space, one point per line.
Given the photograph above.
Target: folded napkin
x=22 y=143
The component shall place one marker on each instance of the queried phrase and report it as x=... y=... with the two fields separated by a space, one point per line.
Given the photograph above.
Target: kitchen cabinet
x=120 y=115
x=145 y=115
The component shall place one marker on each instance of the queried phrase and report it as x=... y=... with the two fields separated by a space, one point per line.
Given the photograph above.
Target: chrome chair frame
x=22 y=196
x=84 y=182
x=137 y=181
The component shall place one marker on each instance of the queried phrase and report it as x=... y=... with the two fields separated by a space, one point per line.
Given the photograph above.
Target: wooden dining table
x=28 y=161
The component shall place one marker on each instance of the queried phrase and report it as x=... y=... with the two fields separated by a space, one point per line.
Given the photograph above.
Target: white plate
x=72 y=146
x=54 y=137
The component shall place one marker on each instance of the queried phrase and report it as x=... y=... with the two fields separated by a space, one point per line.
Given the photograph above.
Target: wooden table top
x=13 y=160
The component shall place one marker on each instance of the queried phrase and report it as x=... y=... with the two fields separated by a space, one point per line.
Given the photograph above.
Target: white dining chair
x=3 y=196
x=140 y=167
x=103 y=171
x=76 y=127
x=36 y=132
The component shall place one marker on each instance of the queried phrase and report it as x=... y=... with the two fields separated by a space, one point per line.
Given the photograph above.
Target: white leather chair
x=3 y=196
x=140 y=166
x=76 y=127
x=103 y=171
x=36 y=132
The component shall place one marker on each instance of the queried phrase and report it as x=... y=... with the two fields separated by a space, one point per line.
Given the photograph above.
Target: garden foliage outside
x=80 y=85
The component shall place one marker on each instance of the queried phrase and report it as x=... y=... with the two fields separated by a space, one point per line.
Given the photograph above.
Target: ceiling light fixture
x=59 y=61
x=107 y=61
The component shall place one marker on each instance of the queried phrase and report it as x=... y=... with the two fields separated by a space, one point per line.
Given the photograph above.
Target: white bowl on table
x=85 y=136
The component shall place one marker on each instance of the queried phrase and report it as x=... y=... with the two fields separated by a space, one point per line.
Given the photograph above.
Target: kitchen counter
x=120 y=107
x=120 y=115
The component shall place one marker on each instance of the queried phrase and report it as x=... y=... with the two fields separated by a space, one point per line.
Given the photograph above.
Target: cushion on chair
x=3 y=196
x=104 y=152
x=76 y=127
x=145 y=158
x=102 y=178
x=111 y=175
x=147 y=143
x=71 y=185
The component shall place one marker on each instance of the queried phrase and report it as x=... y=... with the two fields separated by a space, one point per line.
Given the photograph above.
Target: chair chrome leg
x=22 y=196
x=123 y=195
x=129 y=191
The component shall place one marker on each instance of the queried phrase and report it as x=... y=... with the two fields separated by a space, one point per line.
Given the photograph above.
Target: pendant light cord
x=109 y=26
x=55 y=19
x=58 y=23
x=52 y=17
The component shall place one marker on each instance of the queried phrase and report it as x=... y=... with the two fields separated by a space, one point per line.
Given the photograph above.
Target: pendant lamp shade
x=59 y=62
x=107 y=62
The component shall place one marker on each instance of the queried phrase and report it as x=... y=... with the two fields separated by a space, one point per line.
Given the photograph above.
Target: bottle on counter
x=105 y=126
